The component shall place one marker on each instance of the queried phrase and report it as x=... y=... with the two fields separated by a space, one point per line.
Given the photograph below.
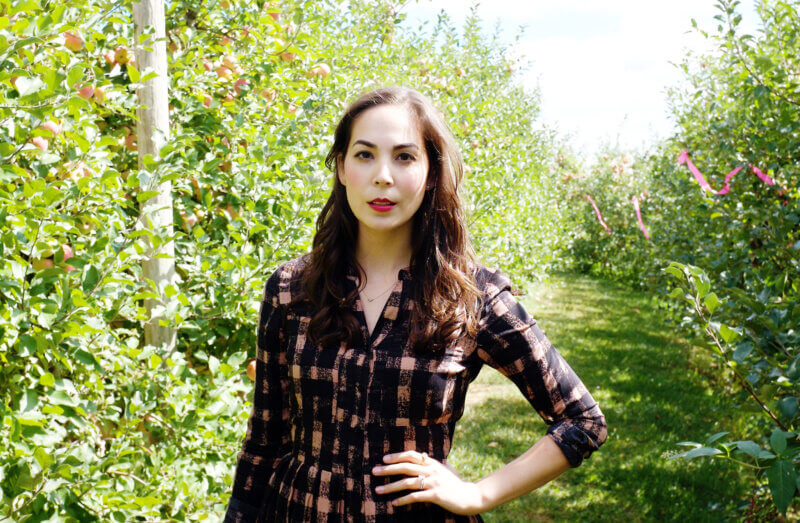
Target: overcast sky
x=602 y=67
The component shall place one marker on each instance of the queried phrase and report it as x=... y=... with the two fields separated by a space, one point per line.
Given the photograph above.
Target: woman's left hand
x=431 y=481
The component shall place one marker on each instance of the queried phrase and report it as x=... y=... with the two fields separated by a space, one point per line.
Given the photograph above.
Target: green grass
x=652 y=394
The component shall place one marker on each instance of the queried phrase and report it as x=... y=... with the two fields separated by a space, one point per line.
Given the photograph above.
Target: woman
x=367 y=345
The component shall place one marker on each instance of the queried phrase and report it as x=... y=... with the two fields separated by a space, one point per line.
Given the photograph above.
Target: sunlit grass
x=652 y=394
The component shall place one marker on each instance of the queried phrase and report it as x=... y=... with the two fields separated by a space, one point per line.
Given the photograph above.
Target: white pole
x=151 y=130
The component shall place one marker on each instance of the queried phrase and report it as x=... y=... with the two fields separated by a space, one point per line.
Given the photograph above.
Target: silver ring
x=421 y=482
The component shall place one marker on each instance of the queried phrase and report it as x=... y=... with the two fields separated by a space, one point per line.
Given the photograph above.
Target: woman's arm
x=540 y=464
x=268 y=428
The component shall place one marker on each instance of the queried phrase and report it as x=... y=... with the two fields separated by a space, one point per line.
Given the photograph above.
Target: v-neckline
x=371 y=335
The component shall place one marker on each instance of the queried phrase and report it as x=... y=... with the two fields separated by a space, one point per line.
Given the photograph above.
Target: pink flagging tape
x=764 y=178
x=639 y=217
x=684 y=158
x=599 y=216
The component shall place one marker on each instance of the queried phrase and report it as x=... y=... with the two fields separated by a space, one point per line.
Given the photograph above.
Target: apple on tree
x=73 y=41
x=40 y=142
x=321 y=69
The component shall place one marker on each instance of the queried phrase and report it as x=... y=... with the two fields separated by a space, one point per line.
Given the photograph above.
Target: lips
x=381 y=205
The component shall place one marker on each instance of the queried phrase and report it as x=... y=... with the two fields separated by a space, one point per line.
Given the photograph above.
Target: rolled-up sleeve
x=267 y=438
x=510 y=341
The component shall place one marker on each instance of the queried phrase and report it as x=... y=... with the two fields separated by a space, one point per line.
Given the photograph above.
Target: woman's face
x=385 y=169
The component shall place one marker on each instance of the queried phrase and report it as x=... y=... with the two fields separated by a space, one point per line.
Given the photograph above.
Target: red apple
x=86 y=91
x=286 y=56
x=251 y=370
x=53 y=127
x=207 y=101
x=40 y=142
x=224 y=72
x=321 y=69
x=130 y=142
x=39 y=264
x=208 y=66
x=73 y=42
x=109 y=58
x=229 y=61
x=225 y=40
x=269 y=94
x=99 y=94
x=239 y=84
x=275 y=15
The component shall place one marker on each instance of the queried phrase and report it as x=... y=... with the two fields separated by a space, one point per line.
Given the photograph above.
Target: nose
x=384 y=175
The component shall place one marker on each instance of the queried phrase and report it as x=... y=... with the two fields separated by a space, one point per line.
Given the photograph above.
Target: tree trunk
x=152 y=131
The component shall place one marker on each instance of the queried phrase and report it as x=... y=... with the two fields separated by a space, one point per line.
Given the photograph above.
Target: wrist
x=483 y=496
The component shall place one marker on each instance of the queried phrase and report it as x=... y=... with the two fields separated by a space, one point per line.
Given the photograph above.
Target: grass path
x=652 y=396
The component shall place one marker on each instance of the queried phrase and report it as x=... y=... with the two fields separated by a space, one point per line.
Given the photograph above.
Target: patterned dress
x=322 y=418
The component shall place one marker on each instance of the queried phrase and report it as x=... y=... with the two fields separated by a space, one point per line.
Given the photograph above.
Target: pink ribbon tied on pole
x=639 y=217
x=684 y=158
x=597 y=213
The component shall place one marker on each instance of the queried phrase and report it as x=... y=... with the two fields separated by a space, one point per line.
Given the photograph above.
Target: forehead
x=387 y=125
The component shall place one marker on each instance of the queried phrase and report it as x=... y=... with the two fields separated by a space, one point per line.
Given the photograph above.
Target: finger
x=403 y=484
x=409 y=469
x=414 y=497
x=409 y=455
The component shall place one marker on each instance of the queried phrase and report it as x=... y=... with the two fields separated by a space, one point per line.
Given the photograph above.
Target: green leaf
x=750 y=448
x=728 y=334
x=90 y=278
x=714 y=437
x=793 y=372
x=782 y=479
x=47 y=379
x=29 y=401
x=146 y=195
x=676 y=292
x=28 y=86
x=788 y=407
x=133 y=73
x=701 y=451
x=777 y=441
x=712 y=302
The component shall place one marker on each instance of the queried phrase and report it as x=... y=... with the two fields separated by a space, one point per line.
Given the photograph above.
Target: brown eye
x=406 y=157
x=360 y=153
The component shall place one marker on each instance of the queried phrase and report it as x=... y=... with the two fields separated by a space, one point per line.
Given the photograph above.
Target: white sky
x=602 y=66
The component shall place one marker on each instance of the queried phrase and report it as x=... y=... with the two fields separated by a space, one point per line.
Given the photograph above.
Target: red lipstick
x=381 y=204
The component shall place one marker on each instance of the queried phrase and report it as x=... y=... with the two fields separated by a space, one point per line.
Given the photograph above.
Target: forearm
x=540 y=464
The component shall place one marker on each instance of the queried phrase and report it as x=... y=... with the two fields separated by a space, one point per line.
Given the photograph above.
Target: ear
x=340 y=170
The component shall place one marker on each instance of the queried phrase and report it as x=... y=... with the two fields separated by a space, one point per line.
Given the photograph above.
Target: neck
x=383 y=254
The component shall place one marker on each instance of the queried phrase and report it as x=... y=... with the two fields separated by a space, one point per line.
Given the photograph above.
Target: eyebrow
x=396 y=147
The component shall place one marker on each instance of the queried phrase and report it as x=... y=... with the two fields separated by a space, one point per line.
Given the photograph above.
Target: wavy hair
x=446 y=296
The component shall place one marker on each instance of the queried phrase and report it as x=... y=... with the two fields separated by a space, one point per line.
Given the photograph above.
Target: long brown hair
x=446 y=296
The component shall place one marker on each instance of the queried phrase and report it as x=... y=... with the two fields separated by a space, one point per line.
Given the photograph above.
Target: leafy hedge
x=94 y=424
x=733 y=259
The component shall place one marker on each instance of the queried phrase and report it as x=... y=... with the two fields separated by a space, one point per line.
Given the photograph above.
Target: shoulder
x=492 y=282
x=285 y=284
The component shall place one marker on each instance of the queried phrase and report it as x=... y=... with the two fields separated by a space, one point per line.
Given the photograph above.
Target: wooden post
x=152 y=130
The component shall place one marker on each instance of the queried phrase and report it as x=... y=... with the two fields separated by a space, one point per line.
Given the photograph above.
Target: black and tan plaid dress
x=322 y=418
